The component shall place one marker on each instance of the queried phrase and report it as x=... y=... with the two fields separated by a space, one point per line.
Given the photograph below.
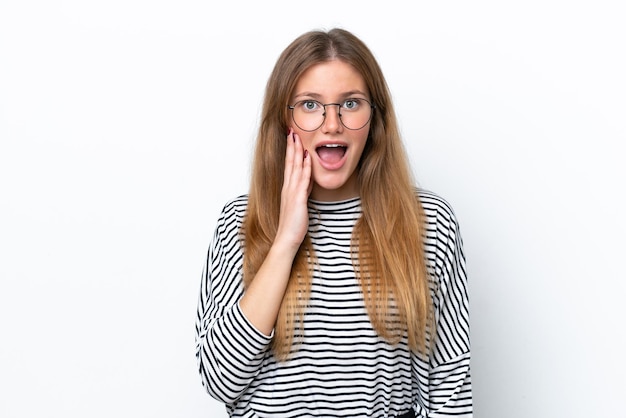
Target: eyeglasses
x=354 y=113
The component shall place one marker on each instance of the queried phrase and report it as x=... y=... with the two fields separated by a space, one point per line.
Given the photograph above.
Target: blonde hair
x=387 y=241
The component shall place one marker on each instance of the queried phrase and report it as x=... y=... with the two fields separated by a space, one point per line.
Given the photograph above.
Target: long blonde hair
x=387 y=241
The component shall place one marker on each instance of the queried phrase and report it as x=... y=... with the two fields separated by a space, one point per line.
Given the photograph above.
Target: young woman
x=335 y=288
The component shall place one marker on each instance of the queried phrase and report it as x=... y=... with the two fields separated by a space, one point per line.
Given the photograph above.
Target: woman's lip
x=332 y=166
x=331 y=142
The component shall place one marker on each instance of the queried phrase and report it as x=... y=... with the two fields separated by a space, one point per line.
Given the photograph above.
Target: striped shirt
x=342 y=368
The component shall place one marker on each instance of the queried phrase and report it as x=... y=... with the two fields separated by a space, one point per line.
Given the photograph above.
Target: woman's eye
x=351 y=104
x=309 y=105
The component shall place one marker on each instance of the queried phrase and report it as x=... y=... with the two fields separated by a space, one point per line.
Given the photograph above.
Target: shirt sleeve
x=229 y=349
x=446 y=387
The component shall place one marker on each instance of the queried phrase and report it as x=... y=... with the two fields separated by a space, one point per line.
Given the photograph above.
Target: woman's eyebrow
x=318 y=96
x=353 y=92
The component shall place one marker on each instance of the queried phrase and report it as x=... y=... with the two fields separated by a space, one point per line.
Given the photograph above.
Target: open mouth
x=331 y=153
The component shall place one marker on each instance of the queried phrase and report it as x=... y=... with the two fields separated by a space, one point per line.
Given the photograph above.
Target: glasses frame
x=293 y=107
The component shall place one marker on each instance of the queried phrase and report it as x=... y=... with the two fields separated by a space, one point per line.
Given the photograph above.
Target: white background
x=125 y=125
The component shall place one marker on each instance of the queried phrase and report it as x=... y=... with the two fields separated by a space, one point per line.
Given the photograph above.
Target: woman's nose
x=332 y=119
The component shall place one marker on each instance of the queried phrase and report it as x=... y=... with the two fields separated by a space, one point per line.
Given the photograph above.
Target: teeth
x=333 y=145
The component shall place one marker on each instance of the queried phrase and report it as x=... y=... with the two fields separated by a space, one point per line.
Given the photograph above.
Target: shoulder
x=232 y=214
x=443 y=242
x=235 y=206
x=441 y=227
x=436 y=208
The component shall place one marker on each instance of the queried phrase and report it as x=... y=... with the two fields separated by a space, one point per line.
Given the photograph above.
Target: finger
x=289 y=155
x=298 y=155
x=306 y=172
x=293 y=164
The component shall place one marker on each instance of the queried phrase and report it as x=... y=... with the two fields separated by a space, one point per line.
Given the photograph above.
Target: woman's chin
x=334 y=189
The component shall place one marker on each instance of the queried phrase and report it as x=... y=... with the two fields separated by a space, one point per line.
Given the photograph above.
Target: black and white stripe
x=341 y=368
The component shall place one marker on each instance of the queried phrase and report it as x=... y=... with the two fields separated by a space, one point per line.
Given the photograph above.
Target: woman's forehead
x=330 y=79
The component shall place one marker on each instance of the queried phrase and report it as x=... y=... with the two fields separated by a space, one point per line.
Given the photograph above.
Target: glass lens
x=308 y=114
x=355 y=113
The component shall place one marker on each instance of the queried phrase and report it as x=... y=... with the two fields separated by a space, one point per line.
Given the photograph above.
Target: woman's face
x=335 y=150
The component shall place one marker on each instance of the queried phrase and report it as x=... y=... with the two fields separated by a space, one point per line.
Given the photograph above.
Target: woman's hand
x=294 y=216
x=261 y=301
